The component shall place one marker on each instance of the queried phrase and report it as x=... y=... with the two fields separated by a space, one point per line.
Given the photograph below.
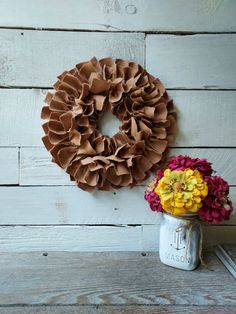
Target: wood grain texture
x=21 y=108
x=115 y=15
x=199 y=112
x=36 y=167
x=36 y=58
x=118 y=309
x=70 y=205
x=196 y=61
x=110 y=278
x=212 y=235
x=70 y=238
x=9 y=165
x=97 y=238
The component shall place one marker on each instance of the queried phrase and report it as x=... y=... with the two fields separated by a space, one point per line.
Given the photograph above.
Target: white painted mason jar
x=179 y=242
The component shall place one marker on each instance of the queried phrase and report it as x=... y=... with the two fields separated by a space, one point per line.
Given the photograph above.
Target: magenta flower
x=151 y=197
x=185 y=162
x=216 y=206
x=154 y=202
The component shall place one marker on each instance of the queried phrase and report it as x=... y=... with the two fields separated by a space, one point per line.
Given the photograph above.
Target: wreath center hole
x=109 y=124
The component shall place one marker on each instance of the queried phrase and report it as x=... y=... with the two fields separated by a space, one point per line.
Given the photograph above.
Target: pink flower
x=151 y=197
x=183 y=162
x=216 y=206
x=154 y=202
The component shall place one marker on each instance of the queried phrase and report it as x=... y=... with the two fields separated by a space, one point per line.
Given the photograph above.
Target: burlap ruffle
x=73 y=110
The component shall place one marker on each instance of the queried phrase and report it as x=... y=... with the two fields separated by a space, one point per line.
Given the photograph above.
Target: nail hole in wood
x=45 y=254
x=144 y=254
x=115 y=208
x=22 y=33
x=114 y=193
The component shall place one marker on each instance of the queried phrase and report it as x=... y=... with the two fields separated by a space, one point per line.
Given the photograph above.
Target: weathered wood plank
x=70 y=238
x=36 y=167
x=118 y=309
x=212 y=235
x=20 y=108
x=9 y=165
x=199 y=112
x=36 y=58
x=110 y=278
x=70 y=205
x=143 y=15
x=197 y=61
x=205 y=118
x=96 y=238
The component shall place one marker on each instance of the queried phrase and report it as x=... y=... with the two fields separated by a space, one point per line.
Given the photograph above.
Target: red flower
x=185 y=162
x=151 y=197
x=216 y=206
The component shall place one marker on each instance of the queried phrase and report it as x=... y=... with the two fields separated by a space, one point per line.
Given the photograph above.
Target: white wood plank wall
x=190 y=45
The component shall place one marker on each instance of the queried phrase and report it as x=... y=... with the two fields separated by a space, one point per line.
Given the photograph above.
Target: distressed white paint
x=196 y=61
x=199 y=61
x=70 y=238
x=70 y=205
x=9 y=165
x=36 y=58
x=212 y=235
x=36 y=167
x=199 y=112
x=20 y=117
x=114 y=15
x=176 y=237
x=95 y=238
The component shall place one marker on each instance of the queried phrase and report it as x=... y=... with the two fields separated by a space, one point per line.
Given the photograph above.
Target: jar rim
x=190 y=216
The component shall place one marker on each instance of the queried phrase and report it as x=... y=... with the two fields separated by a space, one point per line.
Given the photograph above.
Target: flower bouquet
x=187 y=193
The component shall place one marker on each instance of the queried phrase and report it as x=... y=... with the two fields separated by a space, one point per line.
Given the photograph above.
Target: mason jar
x=179 y=241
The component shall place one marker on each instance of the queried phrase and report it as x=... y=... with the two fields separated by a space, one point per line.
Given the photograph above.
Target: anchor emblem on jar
x=179 y=240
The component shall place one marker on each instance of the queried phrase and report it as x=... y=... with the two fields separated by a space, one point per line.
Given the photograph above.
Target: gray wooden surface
x=110 y=279
x=118 y=309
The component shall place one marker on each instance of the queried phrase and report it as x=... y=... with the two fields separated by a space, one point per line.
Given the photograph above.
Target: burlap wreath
x=80 y=98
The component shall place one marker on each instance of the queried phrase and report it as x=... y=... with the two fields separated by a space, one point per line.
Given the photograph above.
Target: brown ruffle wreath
x=81 y=97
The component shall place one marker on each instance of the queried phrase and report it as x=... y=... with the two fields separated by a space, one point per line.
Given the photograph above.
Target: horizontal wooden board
x=36 y=167
x=96 y=238
x=9 y=165
x=143 y=15
x=70 y=238
x=199 y=61
x=70 y=205
x=212 y=235
x=117 y=309
x=196 y=61
x=36 y=58
x=201 y=118
x=110 y=278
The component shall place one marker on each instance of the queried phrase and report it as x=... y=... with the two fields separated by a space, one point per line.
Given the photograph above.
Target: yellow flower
x=181 y=192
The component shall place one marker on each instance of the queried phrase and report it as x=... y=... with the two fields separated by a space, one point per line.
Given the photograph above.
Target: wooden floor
x=111 y=283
